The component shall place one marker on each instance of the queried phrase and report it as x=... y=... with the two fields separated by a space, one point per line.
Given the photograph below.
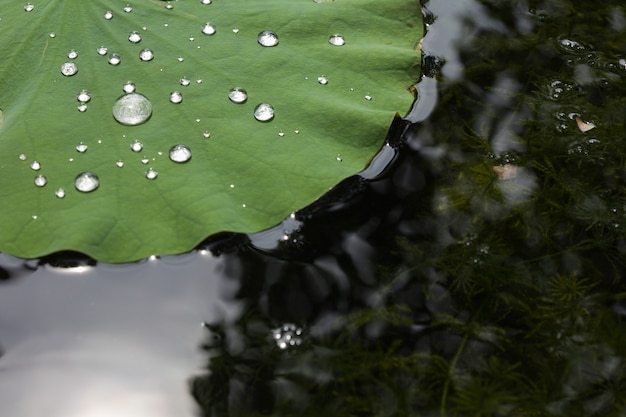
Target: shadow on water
x=475 y=268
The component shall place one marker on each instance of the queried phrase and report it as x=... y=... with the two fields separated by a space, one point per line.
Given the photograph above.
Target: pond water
x=476 y=267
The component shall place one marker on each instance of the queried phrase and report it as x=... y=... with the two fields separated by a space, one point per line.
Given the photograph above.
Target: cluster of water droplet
x=287 y=335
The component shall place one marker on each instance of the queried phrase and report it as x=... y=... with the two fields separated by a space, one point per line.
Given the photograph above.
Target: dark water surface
x=475 y=268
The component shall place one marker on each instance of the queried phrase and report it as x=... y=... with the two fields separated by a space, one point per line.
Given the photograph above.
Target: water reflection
x=476 y=267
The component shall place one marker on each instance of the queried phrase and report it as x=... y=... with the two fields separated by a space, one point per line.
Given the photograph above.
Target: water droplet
x=146 y=55
x=72 y=54
x=53 y=35
x=86 y=182
x=337 y=40
x=115 y=59
x=169 y=6
x=339 y=158
x=208 y=28
x=281 y=134
x=22 y=157
x=237 y=95
x=145 y=161
x=82 y=107
x=622 y=63
x=134 y=37
x=102 y=50
x=264 y=112
x=129 y=87
x=40 y=180
x=181 y=59
x=205 y=1
x=180 y=153
x=206 y=134
x=29 y=7
x=35 y=166
x=132 y=109
x=81 y=147
x=287 y=335
x=120 y=163
x=136 y=146
x=368 y=98
x=151 y=174
x=322 y=80
x=83 y=96
x=60 y=193
x=267 y=38
x=184 y=82
x=235 y=30
x=199 y=81
x=176 y=97
x=108 y=15
x=128 y=8
x=69 y=68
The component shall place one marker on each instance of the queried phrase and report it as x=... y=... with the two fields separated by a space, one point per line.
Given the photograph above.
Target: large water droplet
x=132 y=109
x=267 y=38
x=102 y=50
x=60 y=193
x=108 y=15
x=72 y=54
x=134 y=37
x=337 y=40
x=115 y=59
x=81 y=147
x=69 y=68
x=180 y=153
x=208 y=28
x=237 y=95
x=264 y=112
x=151 y=174
x=129 y=87
x=29 y=7
x=136 y=146
x=86 y=182
x=40 y=180
x=146 y=55
x=176 y=97
x=35 y=166
x=83 y=96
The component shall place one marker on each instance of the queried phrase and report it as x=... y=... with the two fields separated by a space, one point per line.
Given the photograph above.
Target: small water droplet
x=185 y=82
x=34 y=217
x=205 y=1
x=22 y=157
x=176 y=97
x=69 y=68
x=83 y=96
x=337 y=40
x=108 y=15
x=128 y=8
x=129 y=87
x=206 y=134
x=72 y=54
x=208 y=28
x=281 y=134
x=102 y=50
x=181 y=59
x=53 y=35
x=151 y=174
x=60 y=193
x=81 y=147
x=169 y=6
x=136 y=146
x=339 y=158
x=82 y=107
x=296 y=131
x=264 y=112
x=146 y=55
x=40 y=180
x=322 y=80
x=145 y=161
x=132 y=109
x=267 y=38
x=35 y=166
x=237 y=95
x=199 y=81
x=120 y=164
x=115 y=59
x=235 y=30
x=86 y=182
x=134 y=37
x=368 y=98
x=29 y=7
x=180 y=153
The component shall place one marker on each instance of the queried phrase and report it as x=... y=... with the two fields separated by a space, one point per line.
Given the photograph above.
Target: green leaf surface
x=248 y=174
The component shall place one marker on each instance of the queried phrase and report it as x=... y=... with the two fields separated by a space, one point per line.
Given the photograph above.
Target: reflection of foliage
x=511 y=295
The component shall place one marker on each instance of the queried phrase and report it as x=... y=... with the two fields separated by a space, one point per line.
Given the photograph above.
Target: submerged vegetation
x=511 y=295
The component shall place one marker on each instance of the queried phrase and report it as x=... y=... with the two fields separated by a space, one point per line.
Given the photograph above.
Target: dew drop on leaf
x=86 y=182
x=267 y=38
x=102 y=50
x=69 y=68
x=108 y=15
x=176 y=97
x=208 y=28
x=237 y=95
x=337 y=40
x=120 y=164
x=128 y=8
x=60 y=193
x=115 y=59
x=29 y=7
x=82 y=107
x=134 y=37
x=72 y=54
x=83 y=96
x=132 y=109
x=40 y=180
x=322 y=80
x=129 y=87
x=81 y=147
x=185 y=82
x=205 y=1
x=35 y=166
x=146 y=55
x=264 y=112
x=136 y=146
x=180 y=153
x=151 y=174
